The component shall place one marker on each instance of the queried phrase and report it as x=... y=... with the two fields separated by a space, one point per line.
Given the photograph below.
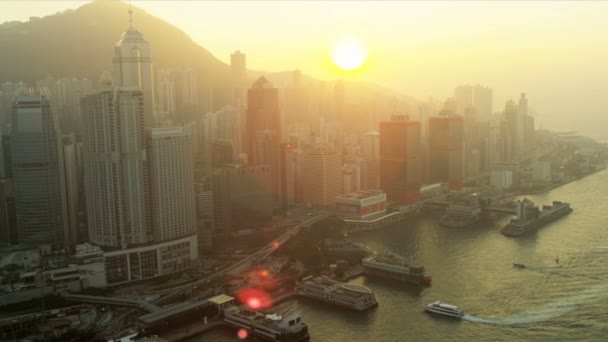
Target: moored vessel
x=393 y=267
x=530 y=218
x=270 y=327
x=352 y=296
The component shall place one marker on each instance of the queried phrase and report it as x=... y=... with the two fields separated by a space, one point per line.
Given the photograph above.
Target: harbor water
x=472 y=268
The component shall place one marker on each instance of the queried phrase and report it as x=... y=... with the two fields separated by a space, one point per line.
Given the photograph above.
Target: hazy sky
x=556 y=52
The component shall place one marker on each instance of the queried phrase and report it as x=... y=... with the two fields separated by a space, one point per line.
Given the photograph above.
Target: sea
x=472 y=268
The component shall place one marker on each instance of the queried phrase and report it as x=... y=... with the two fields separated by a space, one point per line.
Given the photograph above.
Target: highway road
x=247 y=262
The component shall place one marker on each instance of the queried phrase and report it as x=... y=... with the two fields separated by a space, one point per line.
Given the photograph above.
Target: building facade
x=446 y=150
x=362 y=205
x=400 y=160
x=321 y=171
x=116 y=168
x=171 y=183
x=38 y=174
x=132 y=67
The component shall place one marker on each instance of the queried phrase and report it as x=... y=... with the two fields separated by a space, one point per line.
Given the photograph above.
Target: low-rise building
x=362 y=205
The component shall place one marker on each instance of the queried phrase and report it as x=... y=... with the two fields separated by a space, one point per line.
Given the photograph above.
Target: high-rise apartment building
x=172 y=183
x=400 y=160
x=38 y=173
x=116 y=168
x=321 y=172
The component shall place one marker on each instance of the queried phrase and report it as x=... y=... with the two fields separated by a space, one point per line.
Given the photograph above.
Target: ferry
x=390 y=266
x=351 y=296
x=269 y=327
x=460 y=216
x=444 y=309
x=530 y=218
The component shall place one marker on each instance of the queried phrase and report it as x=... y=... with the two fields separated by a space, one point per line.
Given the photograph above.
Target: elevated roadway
x=248 y=261
x=117 y=301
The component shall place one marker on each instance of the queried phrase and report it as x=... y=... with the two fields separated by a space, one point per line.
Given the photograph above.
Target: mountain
x=80 y=43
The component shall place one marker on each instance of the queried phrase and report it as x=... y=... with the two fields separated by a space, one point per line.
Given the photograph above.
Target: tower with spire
x=132 y=68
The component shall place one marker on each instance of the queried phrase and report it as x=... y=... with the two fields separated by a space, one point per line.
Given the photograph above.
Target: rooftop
x=220 y=299
x=361 y=194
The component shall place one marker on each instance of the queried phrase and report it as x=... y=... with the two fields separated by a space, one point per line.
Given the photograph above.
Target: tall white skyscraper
x=116 y=170
x=172 y=183
x=132 y=67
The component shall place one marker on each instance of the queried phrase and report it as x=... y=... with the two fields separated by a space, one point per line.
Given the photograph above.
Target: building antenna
x=130 y=16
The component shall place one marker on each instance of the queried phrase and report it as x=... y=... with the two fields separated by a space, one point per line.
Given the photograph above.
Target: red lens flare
x=242 y=333
x=255 y=299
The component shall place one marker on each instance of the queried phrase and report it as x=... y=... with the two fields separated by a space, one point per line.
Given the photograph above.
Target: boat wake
x=564 y=272
x=548 y=311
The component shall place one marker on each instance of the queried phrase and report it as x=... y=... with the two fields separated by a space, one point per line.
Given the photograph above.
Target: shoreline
x=555 y=186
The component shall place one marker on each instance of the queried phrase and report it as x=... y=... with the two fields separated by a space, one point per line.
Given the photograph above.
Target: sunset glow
x=349 y=54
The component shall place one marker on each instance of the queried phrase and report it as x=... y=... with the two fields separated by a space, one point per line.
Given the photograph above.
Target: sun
x=348 y=54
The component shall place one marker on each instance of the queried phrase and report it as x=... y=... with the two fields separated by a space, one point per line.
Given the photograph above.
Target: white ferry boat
x=270 y=327
x=444 y=309
x=348 y=295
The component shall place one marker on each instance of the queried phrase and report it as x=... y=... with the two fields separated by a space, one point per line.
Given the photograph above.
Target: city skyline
x=168 y=194
x=429 y=60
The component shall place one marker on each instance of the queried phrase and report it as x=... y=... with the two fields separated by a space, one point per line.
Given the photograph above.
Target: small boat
x=444 y=309
x=519 y=265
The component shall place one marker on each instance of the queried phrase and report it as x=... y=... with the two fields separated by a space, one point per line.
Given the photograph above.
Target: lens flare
x=242 y=333
x=254 y=298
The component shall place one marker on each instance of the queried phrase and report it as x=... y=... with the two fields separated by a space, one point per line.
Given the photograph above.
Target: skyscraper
x=321 y=176
x=464 y=98
x=116 y=168
x=238 y=70
x=263 y=113
x=478 y=97
x=400 y=160
x=446 y=149
x=172 y=183
x=264 y=129
x=482 y=101
x=132 y=67
x=38 y=173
